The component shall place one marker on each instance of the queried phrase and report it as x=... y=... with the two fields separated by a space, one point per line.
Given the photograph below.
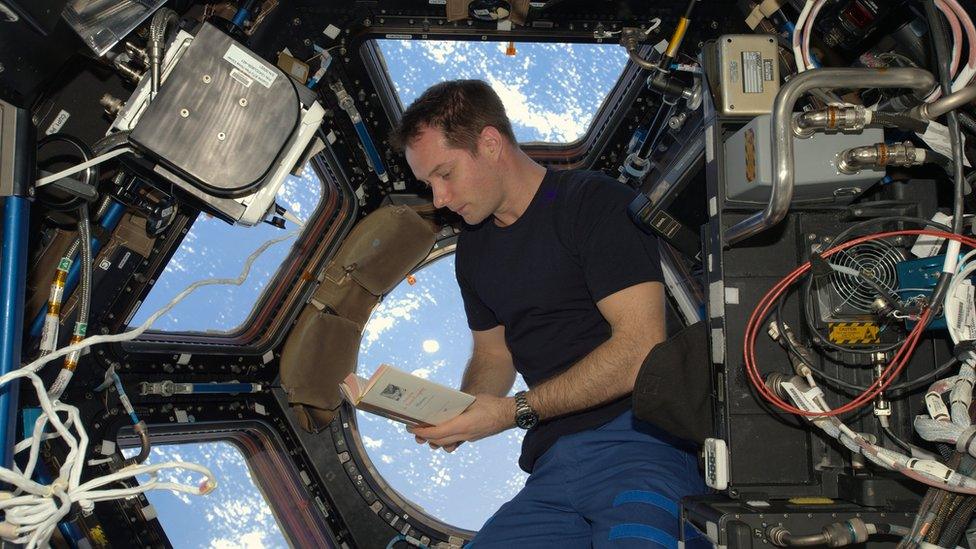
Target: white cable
x=807 y=31
x=83 y=166
x=33 y=510
x=132 y=334
x=798 y=34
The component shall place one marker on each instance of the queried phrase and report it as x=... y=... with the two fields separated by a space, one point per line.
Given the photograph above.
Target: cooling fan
x=846 y=297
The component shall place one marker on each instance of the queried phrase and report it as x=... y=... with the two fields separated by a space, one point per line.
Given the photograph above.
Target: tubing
x=782 y=131
x=13 y=278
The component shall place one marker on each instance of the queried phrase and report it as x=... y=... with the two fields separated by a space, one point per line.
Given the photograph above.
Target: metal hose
x=143 y=431
x=157 y=43
x=84 y=236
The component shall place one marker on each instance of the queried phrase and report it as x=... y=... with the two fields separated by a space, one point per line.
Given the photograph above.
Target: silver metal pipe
x=951 y=102
x=781 y=120
x=830 y=119
x=878 y=156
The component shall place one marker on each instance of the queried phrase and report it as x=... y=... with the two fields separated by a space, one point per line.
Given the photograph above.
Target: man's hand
x=487 y=415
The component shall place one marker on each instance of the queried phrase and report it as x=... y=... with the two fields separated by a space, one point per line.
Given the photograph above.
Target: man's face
x=461 y=181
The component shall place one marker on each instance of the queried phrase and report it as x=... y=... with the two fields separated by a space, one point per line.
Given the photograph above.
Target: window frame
x=349 y=421
x=582 y=153
x=278 y=304
x=258 y=442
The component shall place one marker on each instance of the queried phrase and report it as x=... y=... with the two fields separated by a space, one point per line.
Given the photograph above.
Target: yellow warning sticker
x=812 y=500
x=848 y=333
x=750 y=155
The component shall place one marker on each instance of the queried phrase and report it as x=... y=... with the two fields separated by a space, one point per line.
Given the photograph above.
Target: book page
x=408 y=396
x=352 y=388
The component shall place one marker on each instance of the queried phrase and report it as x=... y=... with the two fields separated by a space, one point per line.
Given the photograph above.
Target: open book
x=404 y=397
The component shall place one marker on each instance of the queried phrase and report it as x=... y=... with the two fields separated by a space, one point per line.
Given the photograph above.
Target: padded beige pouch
x=323 y=347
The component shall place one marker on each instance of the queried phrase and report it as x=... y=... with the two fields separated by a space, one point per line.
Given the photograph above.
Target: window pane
x=236 y=514
x=551 y=91
x=214 y=248
x=421 y=328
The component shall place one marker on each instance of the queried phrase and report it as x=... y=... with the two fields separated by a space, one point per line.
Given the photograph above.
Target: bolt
x=367 y=22
x=221 y=136
x=207 y=79
x=242 y=102
x=184 y=113
x=714 y=24
x=296 y=21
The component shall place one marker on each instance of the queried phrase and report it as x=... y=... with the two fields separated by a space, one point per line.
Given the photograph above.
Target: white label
x=716 y=299
x=437 y=2
x=250 y=65
x=108 y=447
x=181 y=416
x=333 y=31
x=149 y=512
x=937 y=137
x=244 y=79
x=964 y=320
x=752 y=72
x=105 y=265
x=267 y=357
x=930 y=467
x=58 y=123
x=184 y=359
x=732 y=296
x=928 y=246
x=124 y=259
x=936 y=407
x=399 y=36
x=799 y=398
x=709 y=144
x=712 y=206
x=259 y=408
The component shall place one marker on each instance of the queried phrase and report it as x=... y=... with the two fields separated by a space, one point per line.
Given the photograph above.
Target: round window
x=420 y=327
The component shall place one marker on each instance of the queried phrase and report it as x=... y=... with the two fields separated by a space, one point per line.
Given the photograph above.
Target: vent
x=875 y=259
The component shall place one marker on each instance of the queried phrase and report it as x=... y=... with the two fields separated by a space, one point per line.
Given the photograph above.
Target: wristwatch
x=525 y=417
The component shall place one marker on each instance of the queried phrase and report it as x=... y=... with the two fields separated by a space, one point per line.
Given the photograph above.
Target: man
x=559 y=285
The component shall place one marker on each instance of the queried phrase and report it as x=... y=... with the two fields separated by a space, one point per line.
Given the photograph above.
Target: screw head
x=184 y=113
x=242 y=102
x=221 y=136
x=207 y=79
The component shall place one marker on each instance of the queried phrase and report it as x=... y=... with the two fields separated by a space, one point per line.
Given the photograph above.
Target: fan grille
x=875 y=258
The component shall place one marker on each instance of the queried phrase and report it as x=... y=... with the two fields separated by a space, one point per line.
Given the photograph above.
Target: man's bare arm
x=490 y=369
x=636 y=317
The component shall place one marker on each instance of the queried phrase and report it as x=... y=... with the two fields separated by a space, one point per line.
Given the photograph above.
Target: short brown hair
x=459 y=108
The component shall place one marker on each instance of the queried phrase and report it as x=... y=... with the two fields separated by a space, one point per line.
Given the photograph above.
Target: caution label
x=750 y=155
x=846 y=333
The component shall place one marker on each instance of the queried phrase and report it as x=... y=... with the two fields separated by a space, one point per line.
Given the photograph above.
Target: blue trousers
x=617 y=486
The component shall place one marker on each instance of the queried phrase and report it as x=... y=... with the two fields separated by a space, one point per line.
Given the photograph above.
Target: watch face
x=527 y=421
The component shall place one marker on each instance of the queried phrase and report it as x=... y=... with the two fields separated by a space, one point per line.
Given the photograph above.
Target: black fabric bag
x=673 y=388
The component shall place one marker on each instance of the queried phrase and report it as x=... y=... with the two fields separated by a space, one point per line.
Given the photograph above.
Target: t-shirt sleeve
x=614 y=252
x=480 y=317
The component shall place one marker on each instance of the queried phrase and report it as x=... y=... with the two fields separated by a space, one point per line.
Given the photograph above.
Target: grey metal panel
x=815 y=164
x=221 y=126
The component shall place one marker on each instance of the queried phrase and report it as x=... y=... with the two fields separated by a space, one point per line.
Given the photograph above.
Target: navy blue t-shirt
x=542 y=276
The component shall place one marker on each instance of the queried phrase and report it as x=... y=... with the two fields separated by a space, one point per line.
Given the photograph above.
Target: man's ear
x=491 y=141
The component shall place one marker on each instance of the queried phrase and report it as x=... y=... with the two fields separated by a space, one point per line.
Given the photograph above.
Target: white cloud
x=372 y=443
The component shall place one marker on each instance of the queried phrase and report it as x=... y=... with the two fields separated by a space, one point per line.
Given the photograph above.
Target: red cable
x=888 y=375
